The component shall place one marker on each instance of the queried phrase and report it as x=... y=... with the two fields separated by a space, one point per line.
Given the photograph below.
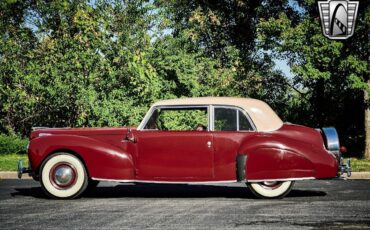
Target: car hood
x=80 y=131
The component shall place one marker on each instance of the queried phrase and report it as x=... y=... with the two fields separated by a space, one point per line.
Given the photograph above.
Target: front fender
x=102 y=160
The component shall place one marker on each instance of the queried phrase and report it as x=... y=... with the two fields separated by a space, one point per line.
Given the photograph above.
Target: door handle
x=209 y=144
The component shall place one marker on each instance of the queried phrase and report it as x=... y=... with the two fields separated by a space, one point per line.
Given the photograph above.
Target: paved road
x=310 y=205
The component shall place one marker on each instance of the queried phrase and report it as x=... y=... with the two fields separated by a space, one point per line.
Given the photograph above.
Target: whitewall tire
x=63 y=176
x=271 y=189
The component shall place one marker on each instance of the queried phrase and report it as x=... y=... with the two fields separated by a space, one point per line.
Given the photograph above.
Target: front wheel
x=271 y=189
x=63 y=176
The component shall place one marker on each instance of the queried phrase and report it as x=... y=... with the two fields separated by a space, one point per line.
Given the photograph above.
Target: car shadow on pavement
x=147 y=190
x=35 y=192
x=166 y=191
x=184 y=191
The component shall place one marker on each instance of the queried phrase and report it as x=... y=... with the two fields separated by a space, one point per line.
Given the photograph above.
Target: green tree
x=333 y=76
x=225 y=32
x=74 y=63
x=16 y=40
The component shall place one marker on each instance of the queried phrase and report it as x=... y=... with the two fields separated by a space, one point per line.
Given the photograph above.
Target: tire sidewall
x=75 y=190
x=279 y=192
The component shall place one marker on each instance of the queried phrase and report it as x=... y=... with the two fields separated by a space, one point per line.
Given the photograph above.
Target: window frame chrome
x=154 y=108
x=210 y=111
x=237 y=118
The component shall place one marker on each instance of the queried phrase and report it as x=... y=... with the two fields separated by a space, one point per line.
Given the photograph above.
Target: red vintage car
x=187 y=140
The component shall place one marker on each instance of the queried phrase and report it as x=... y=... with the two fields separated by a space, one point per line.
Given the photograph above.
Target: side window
x=225 y=119
x=230 y=119
x=244 y=124
x=179 y=119
x=153 y=121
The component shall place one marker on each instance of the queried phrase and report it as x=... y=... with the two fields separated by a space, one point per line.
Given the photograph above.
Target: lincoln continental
x=187 y=140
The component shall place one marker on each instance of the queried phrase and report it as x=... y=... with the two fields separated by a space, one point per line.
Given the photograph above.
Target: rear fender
x=102 y=160
x=269 y=159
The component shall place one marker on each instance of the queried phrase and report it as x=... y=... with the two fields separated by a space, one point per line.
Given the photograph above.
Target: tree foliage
x=102 y=63
x=226 y=31
x=76 y=63
x=332 y=75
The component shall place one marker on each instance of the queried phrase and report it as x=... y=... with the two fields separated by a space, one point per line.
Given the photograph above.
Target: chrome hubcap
x=270 y=185
x=63 y=176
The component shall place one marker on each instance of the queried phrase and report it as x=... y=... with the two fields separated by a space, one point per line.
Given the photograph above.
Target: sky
x=283 y=66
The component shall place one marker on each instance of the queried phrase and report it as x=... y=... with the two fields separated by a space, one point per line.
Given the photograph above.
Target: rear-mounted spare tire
x=331 y=139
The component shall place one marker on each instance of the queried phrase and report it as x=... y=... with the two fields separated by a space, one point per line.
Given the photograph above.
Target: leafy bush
x=12 y=144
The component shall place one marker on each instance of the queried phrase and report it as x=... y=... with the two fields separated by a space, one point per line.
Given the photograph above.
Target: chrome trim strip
x=211 y=118
x=165 y=182
x=283 y=179
x=44 y=134
x=200 y=182
x=146 y=118
x=237 y=120
x=254 y=128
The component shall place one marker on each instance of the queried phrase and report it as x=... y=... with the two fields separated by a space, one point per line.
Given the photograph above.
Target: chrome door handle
x=209 y=144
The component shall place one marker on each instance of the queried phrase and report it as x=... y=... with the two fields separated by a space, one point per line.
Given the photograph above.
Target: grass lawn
x=9 y=162
x=359 y=165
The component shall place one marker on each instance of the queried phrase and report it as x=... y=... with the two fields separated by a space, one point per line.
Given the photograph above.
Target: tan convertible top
x=264 y=118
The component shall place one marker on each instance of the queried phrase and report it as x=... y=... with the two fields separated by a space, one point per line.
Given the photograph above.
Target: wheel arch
x=101 y=160
x=62 y=150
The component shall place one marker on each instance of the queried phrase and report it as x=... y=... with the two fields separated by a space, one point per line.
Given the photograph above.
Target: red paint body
x=290 y=152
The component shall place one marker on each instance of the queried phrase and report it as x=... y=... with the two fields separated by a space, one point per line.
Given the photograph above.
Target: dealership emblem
x=338 y=18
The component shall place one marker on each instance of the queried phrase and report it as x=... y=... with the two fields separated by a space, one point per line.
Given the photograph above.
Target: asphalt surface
x=310 y=205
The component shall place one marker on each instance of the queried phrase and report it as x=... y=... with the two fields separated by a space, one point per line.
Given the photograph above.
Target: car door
x=175 y=154
x=231 y=128
x=177 y=150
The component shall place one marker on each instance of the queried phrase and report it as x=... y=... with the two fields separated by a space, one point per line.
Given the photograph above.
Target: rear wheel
x=63 y=176
x=271 y=189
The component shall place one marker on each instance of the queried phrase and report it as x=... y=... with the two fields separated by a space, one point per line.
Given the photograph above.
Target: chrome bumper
x=345 y=168
x=22 y=170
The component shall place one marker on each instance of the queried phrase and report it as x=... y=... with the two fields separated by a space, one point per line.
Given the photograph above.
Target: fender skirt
x=241 y=164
